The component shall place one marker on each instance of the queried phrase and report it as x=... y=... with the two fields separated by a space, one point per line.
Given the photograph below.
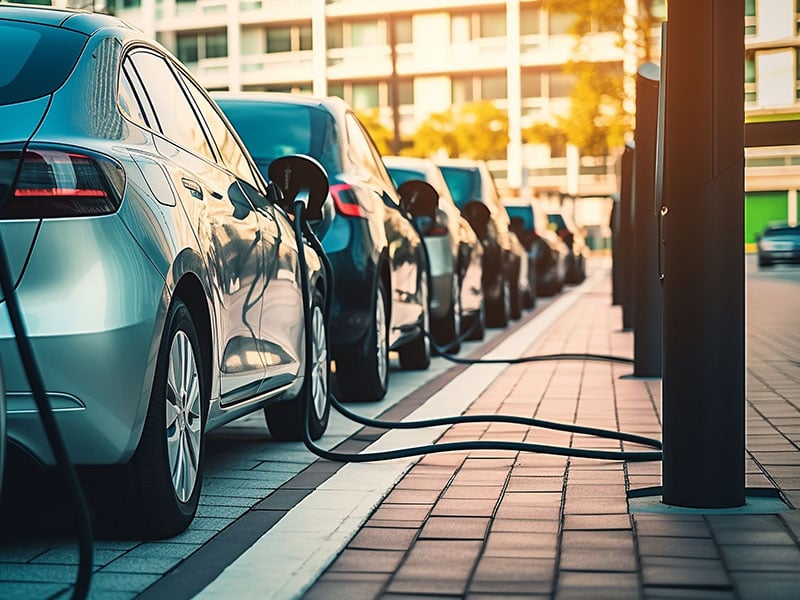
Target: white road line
x=290 y=557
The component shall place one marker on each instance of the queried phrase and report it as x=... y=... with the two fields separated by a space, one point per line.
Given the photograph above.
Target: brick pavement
x=493 y=524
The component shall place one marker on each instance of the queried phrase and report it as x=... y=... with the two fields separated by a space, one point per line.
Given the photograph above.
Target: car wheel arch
x=190 y=291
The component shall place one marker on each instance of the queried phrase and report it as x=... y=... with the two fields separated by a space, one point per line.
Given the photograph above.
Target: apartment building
x=772 y=93
x=433 y=53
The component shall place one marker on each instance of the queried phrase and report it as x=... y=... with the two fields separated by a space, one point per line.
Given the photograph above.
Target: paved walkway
x=493 y=524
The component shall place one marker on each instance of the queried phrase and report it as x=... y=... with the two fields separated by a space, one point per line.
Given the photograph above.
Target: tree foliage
x=597 y=120
x=380 y=134
x=471 y=130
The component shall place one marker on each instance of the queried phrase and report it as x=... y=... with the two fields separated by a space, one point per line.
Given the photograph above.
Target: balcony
x=277 y=68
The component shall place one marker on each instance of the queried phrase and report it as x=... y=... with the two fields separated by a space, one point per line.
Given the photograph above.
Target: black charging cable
x=303 y=230
x=36 y=382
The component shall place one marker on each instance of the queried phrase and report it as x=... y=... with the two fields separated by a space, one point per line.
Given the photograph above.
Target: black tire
x=416 y=354
x=473 y=326
x=286 y=419
x=514 y=300
x=445 y=331
x=496 y=308
x=362 y=372
x=146 y=498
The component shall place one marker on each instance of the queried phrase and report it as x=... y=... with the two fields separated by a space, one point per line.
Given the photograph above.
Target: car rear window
x=523 y=212
x=37 y=59
x=782 y=232
x=557 y=220
x=400 y=176
x=270 y=130
x=464 y=184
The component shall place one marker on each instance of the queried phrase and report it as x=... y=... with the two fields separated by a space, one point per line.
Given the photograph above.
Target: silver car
x=455 y=255
x=158 y=277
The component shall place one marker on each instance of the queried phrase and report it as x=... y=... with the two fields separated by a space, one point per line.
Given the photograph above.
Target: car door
x=404 y=244
x=226 y=225
x=280 y=332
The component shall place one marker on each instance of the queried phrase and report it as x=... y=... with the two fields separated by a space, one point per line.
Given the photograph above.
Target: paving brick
x=513 y=575
x=578 y=584
x=761 y=558
x=436 y=567
x=367 y=561
x=402 y=512
x=526 y=525
x=455 y=528
x=597 y=522
x=383 y=538
x=677 y=546
x=521 y=545
x=597 y=559
x=473 y=492
x=458 y=507
x=613 y=540
x=347 y=586
x=772 y=586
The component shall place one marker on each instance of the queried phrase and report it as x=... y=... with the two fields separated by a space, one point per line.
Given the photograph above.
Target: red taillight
x=57 y=183
x=437 y=229
x=344 y=198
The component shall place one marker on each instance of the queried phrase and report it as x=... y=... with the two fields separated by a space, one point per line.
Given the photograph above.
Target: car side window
x=231 y=154
x=175 y=115
x=129 y=76
x=128 y=102
x=359 y=146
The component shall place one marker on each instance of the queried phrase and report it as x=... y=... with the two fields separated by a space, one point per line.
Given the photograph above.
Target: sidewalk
x=494 y=524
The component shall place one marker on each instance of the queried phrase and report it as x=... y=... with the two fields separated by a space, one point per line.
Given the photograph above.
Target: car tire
x=286 y=419
x=497 y=308
x=154 y=495
x=473 y=327
x=514 y=300
x=416 y=354
x=362 y=373
x=446 y=331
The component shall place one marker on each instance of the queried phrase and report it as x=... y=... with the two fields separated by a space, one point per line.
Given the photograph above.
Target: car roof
x=75 y=20
x=333 y=104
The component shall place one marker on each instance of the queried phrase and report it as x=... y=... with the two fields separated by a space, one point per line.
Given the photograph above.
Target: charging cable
x=302 y=230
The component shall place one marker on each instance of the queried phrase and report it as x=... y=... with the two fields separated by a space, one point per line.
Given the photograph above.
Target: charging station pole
x=702 y=261
x=625 y=237
x=647 y=356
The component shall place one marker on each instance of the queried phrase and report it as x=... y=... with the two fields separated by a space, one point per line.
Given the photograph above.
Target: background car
x=380 y=299
x=159 y=283
x=472 y=187
x=546 y=252
x=778 y=244
x=454 y=253
x=575 y=240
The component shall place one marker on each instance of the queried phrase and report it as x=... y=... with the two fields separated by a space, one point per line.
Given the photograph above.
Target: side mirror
x=477 y=214
x=419 y=198
x=297 y=176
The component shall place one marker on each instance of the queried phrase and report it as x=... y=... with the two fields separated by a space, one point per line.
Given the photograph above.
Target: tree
x=472 y=130
x=380 y=133
x=597 y=121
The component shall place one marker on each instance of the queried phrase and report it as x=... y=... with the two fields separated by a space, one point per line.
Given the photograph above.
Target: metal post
x=647 y=308
x=616 y=254
x=703 y=255
x=626 y=236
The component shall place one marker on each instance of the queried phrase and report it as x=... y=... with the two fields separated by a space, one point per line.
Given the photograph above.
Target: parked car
x=575 y=240
x=546 y=252
x=380 y=299
x=778 y=244
x=474 y=192
x=159 y=283
x=454 y=253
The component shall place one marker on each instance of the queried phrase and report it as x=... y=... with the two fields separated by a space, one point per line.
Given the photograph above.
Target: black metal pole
x=703 y=255
x=647 y=309
x=625 y=254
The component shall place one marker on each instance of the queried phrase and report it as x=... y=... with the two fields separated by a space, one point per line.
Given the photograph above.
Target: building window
x=336 y=89
x=187 y=48
x=462 y=90
x=494 y=87
x=279 y=39
x=493 y=24
x=403 y=30
x=305 y=37
x=561 y=85
x=529 y=21
x=460 y=29
x=216 y=45
x=405 y=92
x=749 y=17
x=365 y=95
x=364 y=33
x=334 y=35
x=560 y=23
x=531 y=84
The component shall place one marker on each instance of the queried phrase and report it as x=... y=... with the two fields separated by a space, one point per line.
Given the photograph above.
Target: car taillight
x=345 y=201
x=428 y=226
x=58 y=183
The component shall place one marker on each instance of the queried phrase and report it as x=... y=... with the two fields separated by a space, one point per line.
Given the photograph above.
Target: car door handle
x=194 y=188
